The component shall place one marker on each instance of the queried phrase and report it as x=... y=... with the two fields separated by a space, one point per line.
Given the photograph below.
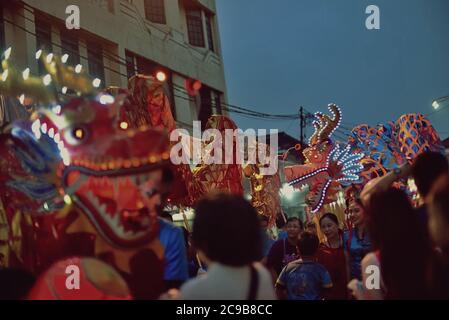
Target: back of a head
x=226 y=228
x=396 y=232
x=440 y=196
x=438 y=209
x=427 y=168
x=308 y=243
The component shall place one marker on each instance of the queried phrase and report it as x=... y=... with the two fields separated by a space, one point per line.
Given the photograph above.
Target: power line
x=121 y=61
x=228 y=107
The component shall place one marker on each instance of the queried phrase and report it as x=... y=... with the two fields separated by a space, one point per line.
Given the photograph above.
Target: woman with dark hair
x=402 y=250
x=332 y=256
x=356 y=240
x=438 y=228
x=226 y=233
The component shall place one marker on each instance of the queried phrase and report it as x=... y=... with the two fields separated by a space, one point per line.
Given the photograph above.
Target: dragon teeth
x=115 y=186
x=134 y=179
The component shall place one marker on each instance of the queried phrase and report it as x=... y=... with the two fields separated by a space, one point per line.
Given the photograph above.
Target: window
x=210 y=32
x=2 y=31
x=95 y=58
x=69 y=45
x=43 y=40
x=155 y=11
x=146 y=67
x=195 y=27
x=206 y=106
x=130 y=64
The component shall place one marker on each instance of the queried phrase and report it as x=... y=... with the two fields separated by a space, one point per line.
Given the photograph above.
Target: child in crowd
x=304 y=279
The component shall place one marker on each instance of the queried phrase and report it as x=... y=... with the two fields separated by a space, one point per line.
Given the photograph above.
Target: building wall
x=121 y=25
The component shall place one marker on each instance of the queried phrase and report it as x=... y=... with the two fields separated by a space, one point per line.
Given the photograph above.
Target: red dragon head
x=109 y=171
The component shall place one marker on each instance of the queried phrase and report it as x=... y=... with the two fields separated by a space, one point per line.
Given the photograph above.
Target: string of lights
x=227 y=107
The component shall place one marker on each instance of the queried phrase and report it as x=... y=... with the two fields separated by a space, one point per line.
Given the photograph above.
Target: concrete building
x=118 y=38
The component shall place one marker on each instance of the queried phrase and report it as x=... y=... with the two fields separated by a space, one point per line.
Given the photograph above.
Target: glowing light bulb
x=78 y=68
x=26 y=73
x=8 y=53
x=161 y=76
x=106 y=99
x=96 y=83
x=435 y=105
x=22 y=99
x=64 y=58
x=50 y=57
x=124 y=125
x=38 y=54
x=67 y=199
x=47 y=80
x=64 y=90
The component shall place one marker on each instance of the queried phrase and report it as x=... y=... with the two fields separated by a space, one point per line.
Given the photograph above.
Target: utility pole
x=302 y=125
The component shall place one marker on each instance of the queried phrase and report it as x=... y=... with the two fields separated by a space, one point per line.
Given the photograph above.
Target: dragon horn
x=330 y=124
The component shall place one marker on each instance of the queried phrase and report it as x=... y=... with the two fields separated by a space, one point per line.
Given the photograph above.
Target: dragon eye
x=76 y=135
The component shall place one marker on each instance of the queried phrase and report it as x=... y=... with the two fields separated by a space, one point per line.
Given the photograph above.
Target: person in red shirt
x=332 y=256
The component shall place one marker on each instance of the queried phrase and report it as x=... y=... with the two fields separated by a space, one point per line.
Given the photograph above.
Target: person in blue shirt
x=176 y=270
x=356 y=240
x=304 y=279
x=281 y=223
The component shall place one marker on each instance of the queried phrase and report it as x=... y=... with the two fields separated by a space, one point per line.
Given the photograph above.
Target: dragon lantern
x=215 y=176
x=264 y=188
x=327 y=165
x=390 y=145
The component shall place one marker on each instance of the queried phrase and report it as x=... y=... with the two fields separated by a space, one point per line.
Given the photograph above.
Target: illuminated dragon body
x=389 y=145
x=328 y=165
x=368 y=153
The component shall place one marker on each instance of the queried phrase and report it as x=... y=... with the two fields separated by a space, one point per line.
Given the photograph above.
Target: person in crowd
x=331 y=255
x=285 y=250
x=356 y=240
x=281 y=223
x=438 y=208
x=311 y=227
x=176 y=268
x=267 y=240
x=425 y=170
x=226 y=233
x=401 y=250
x=304 y=279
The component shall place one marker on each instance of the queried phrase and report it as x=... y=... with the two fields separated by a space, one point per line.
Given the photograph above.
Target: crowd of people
x=387 y=234
x=231 y=252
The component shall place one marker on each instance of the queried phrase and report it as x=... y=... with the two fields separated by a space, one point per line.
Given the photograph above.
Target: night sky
x=281 y=54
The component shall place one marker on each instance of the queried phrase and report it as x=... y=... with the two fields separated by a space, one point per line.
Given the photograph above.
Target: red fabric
x=334 y=261
x=52 y=285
